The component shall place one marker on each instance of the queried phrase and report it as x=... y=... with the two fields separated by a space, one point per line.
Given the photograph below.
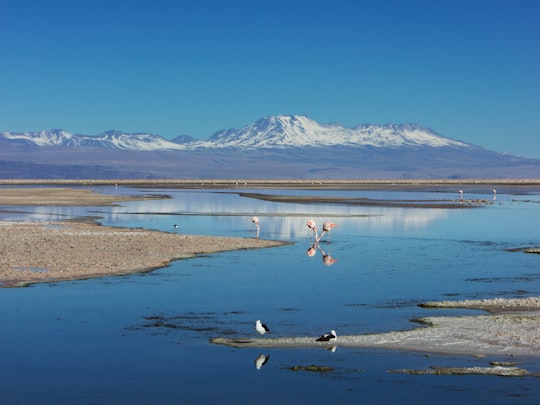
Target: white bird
x=261 y=360
x=327 y=337
x=461 y=194
x=494 y=194
x=261 y=327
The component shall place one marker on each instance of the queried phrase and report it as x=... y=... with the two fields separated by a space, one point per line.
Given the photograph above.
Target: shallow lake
x=144 y=338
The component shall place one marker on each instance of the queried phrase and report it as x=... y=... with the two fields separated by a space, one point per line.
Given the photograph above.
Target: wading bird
x=313 y=226
x=255 y=220
x=327 y=227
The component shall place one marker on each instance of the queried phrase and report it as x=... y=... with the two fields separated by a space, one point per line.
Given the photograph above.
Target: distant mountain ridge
x=282 y=131
x=282 y=146
x=299 y=131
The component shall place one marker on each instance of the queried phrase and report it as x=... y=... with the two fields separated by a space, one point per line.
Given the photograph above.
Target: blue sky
x=468 y=69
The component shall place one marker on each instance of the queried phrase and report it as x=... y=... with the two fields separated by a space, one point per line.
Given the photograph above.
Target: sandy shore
x=55 y=251
x=512 y=329
x=45 y=252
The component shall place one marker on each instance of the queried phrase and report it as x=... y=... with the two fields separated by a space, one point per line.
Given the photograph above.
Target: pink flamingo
x=327 y=227
x=313 y=226
x=255 y=220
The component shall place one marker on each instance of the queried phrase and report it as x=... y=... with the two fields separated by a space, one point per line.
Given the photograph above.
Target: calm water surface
x=144 y=338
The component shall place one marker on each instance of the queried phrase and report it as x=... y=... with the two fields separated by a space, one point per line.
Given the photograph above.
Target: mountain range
x=283 y=146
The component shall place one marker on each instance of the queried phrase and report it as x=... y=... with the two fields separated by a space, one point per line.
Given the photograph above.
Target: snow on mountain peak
x=111 y=139
x=283 y=131
x=277 y=132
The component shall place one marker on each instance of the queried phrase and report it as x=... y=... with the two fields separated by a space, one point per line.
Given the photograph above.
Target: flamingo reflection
x=327 y=259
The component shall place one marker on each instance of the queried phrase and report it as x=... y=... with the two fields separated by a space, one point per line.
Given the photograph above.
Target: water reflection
x=327 y=259
x=261 y=360
x=214 y=213
x=281 y=219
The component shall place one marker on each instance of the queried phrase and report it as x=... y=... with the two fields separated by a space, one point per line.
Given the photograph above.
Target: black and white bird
x=261 y=327
x=175 y=226
x=327 y=337
x=261 y=360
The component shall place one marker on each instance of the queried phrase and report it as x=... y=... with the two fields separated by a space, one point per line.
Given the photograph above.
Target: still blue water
x=144 y=338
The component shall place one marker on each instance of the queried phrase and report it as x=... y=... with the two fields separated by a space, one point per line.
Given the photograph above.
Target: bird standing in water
x=311 y=224
x=255 y=220
x=327 y=227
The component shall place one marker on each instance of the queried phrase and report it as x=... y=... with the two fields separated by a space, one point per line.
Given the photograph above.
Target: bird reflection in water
x=327 y=259
x=261 y=360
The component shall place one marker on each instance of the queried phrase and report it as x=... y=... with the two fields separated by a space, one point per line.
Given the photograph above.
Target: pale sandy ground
x=57 y=196
x=45 y=252
x=55 y=251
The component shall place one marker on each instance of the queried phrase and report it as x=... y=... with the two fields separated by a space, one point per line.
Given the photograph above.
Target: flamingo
x=255 y=220
x=327 y=227
x=312 y=251
x=313 y=226
x=327 y=337
x=261 y=327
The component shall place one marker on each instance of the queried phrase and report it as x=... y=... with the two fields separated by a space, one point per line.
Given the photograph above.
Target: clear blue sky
x=468 y=69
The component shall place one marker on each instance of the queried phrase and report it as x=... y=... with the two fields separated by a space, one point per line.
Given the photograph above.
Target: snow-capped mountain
x=111 y=140
x=283 y=146
x=282 y=131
